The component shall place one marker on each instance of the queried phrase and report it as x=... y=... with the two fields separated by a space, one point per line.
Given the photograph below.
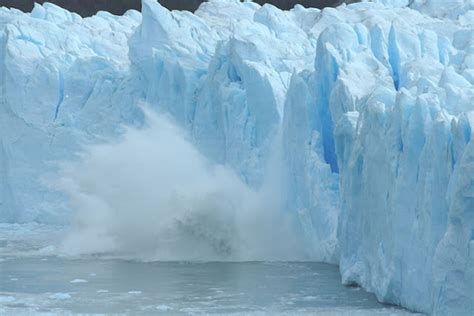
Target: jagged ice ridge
x=371 y=105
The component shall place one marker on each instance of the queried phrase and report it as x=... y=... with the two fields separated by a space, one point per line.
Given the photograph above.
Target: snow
x=363 y=115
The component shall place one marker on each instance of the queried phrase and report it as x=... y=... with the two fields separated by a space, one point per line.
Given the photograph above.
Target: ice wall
x=362 y=113
x=395 y=97
x=61 y=84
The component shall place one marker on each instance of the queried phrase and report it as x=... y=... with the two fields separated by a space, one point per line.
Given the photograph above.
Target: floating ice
x=60 y=296
x=134 y=292
x=78 y=281
x=7 y=299
x=164 y=308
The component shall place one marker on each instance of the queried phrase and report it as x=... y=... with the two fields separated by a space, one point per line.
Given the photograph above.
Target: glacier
x=368 y=109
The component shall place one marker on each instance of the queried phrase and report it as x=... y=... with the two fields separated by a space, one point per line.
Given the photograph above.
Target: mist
x=153 y=196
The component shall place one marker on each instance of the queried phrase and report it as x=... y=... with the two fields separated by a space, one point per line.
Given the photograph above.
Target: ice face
x=59 y=78
x=397 y=93
x=362 y=114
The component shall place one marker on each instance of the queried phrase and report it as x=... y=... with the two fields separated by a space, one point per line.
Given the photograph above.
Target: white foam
x=153 y=196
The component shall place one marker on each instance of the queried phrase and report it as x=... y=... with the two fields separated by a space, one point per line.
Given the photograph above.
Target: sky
x=90 y=7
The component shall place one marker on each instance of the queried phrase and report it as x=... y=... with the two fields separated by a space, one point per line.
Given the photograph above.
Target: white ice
x=361 y=116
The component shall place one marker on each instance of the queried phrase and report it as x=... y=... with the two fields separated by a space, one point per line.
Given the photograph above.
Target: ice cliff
x=369 y=107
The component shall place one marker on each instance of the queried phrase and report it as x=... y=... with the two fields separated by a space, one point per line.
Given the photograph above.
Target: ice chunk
x=75 y=281
x=60 y=296
x=164 y=308
x=135 y=292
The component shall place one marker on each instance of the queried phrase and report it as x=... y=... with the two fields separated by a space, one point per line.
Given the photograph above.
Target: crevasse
x=372 y=104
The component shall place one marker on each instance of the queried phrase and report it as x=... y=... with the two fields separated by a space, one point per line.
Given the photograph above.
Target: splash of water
x=153 y=196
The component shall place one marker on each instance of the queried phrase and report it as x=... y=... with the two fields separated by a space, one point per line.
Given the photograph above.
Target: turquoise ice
x=360 y=118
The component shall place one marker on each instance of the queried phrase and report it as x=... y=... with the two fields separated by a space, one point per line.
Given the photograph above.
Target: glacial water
x=92 y=286
x=34 y=281
x=183 y=236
